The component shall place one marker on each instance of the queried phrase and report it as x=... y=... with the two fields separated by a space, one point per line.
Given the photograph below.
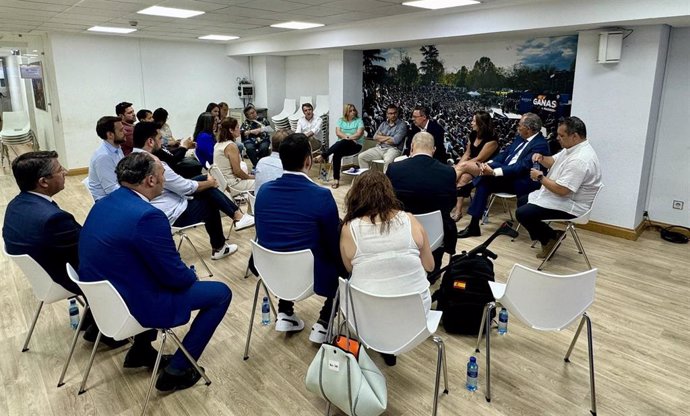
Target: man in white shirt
x=568 y=190
x=189 y=201
x=311 y=127
x=102 y=179
x=270 y=167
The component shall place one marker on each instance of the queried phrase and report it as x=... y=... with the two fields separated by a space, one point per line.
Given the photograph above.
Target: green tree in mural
x=373 y=73
x=461 y=77
x=485 y=75
x=407 y=72
x=431 y=67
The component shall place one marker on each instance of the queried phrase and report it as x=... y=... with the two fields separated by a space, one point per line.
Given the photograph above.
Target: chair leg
x=71 y=350
x=485 y=217
x=25 y=348
x=251 y=320
x=489 y=308
x=186 y=237
x=580 y=247
x=82 y=388
x=481 y=327
x=155 y=372
x=440 y=360
x=553 y=250
x=590 y=352
x=186 y=353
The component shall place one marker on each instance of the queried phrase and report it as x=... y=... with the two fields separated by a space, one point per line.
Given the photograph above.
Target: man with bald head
x=423 y=184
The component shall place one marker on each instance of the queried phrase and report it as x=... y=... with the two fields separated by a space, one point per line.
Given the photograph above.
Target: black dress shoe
x=469 y=232
x=171 y=382
x=92 y=332
x=389 y=359
x=146 y=358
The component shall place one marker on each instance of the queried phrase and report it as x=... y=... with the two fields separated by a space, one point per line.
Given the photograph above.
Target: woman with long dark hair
x=482 y=145
x=214 y=109
x=226 y=156
x=204 y=138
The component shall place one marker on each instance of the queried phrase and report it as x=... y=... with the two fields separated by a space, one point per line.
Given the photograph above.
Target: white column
x=344 y=85
x=15 y=83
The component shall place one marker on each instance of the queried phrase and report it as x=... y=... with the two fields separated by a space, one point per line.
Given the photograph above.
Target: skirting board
x=614 y=230
x=78 y=171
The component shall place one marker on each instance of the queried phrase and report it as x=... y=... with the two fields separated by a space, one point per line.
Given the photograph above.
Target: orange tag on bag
x=352 y=346
x=459 y=284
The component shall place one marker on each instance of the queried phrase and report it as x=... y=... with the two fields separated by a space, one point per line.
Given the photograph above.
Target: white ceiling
x=244 y=18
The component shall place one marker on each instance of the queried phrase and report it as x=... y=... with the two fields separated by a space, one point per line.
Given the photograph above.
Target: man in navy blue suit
x=293 y=213
x=508 y=172
x=127 y=241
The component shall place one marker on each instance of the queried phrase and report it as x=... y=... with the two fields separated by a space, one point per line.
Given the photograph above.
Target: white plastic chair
x=433 y=225
x=287 y=275
x=44 y=288
x=114 y=320
x=545 y=302
x=288 y=109
x=239 y=196
x=182 y=233
x=504 y=196
x=321 y=105
x=251 y=201
x=298 y=112
x=16 y=130
x=394 y=325
x=85 y=182
x=570 y=226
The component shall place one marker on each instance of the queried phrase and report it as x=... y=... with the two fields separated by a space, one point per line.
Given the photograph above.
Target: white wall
x=345 y=85
x=268 y=74
x=671 y=163
x=96 y=72
x=619 y=103
x=306 y=75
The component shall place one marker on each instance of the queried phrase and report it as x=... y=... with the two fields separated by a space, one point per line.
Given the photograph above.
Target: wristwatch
x=540 y=177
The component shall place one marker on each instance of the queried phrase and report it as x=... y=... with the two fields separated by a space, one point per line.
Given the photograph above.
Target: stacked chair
x=16 y=130
x=281 y=120
x=321 y=110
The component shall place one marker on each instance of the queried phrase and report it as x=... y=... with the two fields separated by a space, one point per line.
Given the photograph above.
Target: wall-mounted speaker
x=610 y=47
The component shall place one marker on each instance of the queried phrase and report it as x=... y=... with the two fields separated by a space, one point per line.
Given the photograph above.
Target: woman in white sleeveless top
x=226 y=156
x=386 y=249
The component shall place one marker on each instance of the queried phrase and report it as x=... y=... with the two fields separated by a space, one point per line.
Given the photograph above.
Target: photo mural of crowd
x=540 y=80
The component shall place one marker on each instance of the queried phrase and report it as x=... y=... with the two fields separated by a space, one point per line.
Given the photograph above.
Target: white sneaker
x=244 y=222
x=227 y=250
x=318 y=333
x=289 y=323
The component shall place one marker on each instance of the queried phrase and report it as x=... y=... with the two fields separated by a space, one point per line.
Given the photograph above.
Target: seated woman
x=350 y=132
x=482 y=145
x=386 y=249
x=226 y=156
x=160 y=117
x=204 y=138
x=214 y=109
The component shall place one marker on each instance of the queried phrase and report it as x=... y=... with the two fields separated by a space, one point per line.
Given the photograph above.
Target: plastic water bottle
x=73 y=314
x=265 y=312
x=503 y=322
x=472 y=374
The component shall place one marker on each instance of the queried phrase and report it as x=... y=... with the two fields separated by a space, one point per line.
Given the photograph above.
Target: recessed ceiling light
x=112 y=29
x=218 y=37
x=170 y=12
x=297 y=25
x=439 y=4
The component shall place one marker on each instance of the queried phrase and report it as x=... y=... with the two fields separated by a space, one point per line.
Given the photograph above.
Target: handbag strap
x=348 y=300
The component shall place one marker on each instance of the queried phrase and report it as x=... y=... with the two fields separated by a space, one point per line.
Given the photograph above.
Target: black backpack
x=465 y=291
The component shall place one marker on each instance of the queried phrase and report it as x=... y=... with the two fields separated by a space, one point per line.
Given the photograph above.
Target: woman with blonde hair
x=226 y=155
x=350 y=132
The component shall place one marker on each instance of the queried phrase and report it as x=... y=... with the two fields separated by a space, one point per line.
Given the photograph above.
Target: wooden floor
x=641 y=343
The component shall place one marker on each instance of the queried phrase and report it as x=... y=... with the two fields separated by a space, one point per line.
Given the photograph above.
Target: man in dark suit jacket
x=293 y=213
x=423 y=184
x=508 y=172
x=422 y=122
x=127 y=241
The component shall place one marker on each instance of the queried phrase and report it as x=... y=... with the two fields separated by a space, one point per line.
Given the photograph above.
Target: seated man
x=567 y=191
x=126 y=113
x=293 y=213
x=310 y=125
x=508 y=172
x=390 y=138
x=255 y=136
x=423 y=184
x=35 y=225
x=270 y=167
x=205 y=205
x=422 y=122
x=144 y=115
x=101 y=179
x=127 y=241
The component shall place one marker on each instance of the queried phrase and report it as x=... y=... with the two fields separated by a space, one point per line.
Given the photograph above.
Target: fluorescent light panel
x=297 y=25
x=111 y=29
x=170 y=12
x=439 y=4
x=218 y=37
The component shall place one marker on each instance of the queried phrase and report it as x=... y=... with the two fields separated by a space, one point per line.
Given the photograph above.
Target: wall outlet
x=677 y=204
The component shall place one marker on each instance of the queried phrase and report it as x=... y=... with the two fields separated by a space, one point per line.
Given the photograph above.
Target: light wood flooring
x=641 y=343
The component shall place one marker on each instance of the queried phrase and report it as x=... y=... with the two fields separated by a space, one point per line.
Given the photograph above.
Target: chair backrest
x=584 y=218
x=321 y=105
x=288 y=107
x=433 y=225
x=215 y=172
x=251 y=198
x=14 y=123
x=288 y=275
x=43 y=286
x=545 y=301
x=388 y=324
x=108 y=308
x=85 y=182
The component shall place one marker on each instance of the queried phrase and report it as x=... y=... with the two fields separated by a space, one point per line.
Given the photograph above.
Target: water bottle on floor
x=503 y=322
x=265 y=312
x=472 y=374
x=73 y=314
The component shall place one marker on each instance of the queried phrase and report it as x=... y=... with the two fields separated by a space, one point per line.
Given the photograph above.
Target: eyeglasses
x=392 y=114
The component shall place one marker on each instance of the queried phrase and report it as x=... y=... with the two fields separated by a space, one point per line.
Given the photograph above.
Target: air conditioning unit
x=610 y=47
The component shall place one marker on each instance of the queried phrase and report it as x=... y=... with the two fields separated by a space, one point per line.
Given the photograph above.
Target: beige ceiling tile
x=32 y=5
x=356 y=5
